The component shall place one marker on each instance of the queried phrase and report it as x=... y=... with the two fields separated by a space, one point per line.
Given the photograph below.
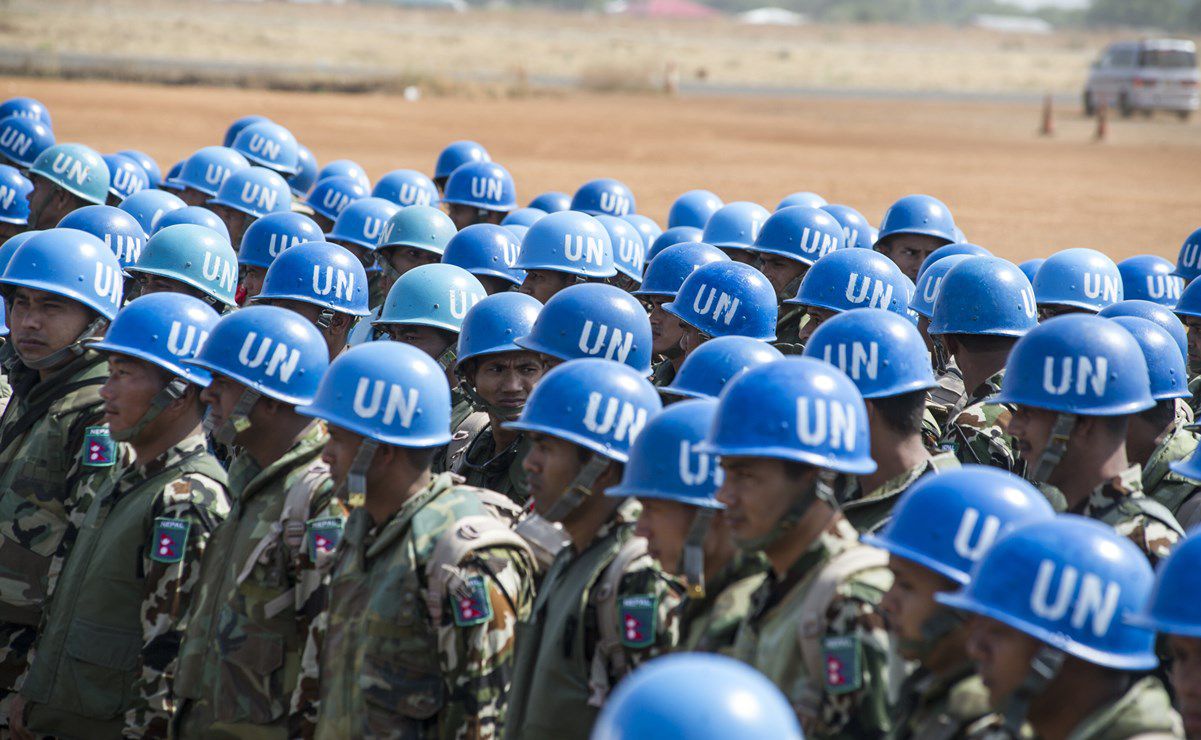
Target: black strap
x=37 y=410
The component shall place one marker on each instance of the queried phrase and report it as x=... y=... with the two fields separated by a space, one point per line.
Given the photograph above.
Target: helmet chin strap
x=545 y=533
x=1057 y=446
x=325 y=319
x=1044 y=667
x=356 y=476
x=171 y=392
x=937 y=626
x=66 y=354
x=692 y=559
x=238 y=421
x=479 y=403
x=822 y=489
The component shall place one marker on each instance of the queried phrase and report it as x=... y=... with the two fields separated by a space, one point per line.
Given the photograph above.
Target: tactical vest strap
x=1157 y=511
x=467 y=430
x=609 y=657
x=471 y=533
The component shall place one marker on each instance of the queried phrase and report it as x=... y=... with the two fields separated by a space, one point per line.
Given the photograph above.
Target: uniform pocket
x=251 y=678
x=401 y=682
x=100 y=668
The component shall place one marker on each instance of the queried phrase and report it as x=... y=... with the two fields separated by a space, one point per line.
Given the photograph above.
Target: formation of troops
x=288 y=454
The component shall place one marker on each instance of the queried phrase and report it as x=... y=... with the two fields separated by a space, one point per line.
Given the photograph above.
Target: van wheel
x=1124 y=106
x=1184 y=115
x=1090 y=108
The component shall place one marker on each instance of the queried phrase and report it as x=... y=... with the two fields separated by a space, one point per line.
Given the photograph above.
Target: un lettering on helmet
x=1188 y=254
x=1076 y=375
x=614 y=203
x=817 y=243
x=858 y=360
x=338 y=281
x=254 y=193
x=127 y=248
x=411 y=195
x=283 y=359
x=631 y=252
x=278 y=242
x=509 y=252
x=260 y=144
x=7 y=196
x=70 y=168
x=215 y=175
x=930 y=289
x=726 y=307
x=487 y=188
x=1164 y=287
x=697 y=467
x=1029 y=303
x=15 y=141
x=1106 y=287
x=126 y=180
x=619 y=345
x=864 y=288
x=984 y=535
x=336 y=200
x=1088 y=597
x=400 y=404
x=579 y=247
x=372 y=227
x=461 y=302
x=821 y=422
x=621 y=420
x=192 y=340
x=219 y=269
x=108 y=283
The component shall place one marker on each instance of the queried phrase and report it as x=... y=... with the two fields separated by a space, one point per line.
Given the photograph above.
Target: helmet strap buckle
x=356 y=477
x=325 y=319
x=1044 y=667
x=693 y=556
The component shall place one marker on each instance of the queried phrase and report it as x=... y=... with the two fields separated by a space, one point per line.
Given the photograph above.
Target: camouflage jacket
x=1144 y=710
x=870 y=511
x=663 y=373
x=6 y=391
x=1194 y=401
x=260 y=588
x=977 y=433
x=482 y=466
x=557 y=685
x=1159 y=482
x=108 y=643
x=940 y=707
x=389 y=666
x=788 y=329
x=947 y=395
x=851 y=699
x=42 y=501
x=710 y=624
x=1116 y=502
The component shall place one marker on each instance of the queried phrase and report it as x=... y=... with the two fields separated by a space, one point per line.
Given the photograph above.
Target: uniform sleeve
x=1153 y=537
x=185 y=515
x=302 y=716
x=476 y=641
x=648 y=612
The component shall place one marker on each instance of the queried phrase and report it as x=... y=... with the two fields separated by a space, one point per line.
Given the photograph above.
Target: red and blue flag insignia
x=170 y=538
x=99 y=449
x=324 y=534
x=637 y=615
x=471 y=603
x=841 y=657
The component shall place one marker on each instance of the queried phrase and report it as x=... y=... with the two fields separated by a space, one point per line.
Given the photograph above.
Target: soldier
x=724 y=299
x=479 y=193
x=189 y=259
x=489 y=252
x=265 y=240
x=65 y=177
x=497 y=377
x=60 y=287
x=944 y=697
x=1173 y=611
x=673 y=236
x=846 y=279
x=23 y=139
x=247 y=195
x=604 y=196
x=1076 y=281
x=549 y=267
x=629 y=252
x=261 y=574
x=603 y=607
x=454 y=155
x=330 y=196
x=106 y=649
x=912 y=228
x=694 y=208
x=883 y=354
x=1075 y=381
x=14 y=206
x=116 y=228
x=407 y=188
x=1051 y=649
x=359 y=228
x=791 y=240
x=715 y=363
x=664 y=276
x=1002 y=309
x=203 y=173
x=685 y=527
x=733 y=229
x=592 y=320
x=268 y=144
x=414 y=236
x=949 y=393
x=428 y=583
x=783 y=431
x=858 y=232
x=323 y=283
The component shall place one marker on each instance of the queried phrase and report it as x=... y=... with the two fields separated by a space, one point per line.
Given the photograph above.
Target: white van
x=1144 y=76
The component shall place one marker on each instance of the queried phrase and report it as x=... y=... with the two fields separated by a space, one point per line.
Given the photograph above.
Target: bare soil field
x=1012 y=191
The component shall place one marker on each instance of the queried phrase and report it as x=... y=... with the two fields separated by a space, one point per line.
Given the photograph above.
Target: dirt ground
x=1012 y=191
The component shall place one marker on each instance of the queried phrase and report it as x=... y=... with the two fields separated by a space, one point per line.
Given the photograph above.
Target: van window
x=1123 y=58
x=1167 y=58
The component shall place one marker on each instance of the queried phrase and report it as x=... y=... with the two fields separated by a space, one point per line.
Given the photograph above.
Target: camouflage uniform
x=260 y=588
x=948 y=394
x=1194 y=401
x=663 y=373
x=710 y=624
x=936 y=707
x=1116 y=502
x=482 y=466
x=788 y=329
x=931 y=428
x=560 y=674
x=868 y=512
x=391 y=668
x=851 y=699
x=42 y=503
x=1144 y=711
x=978 y=434
x=1159 y=482
x=106 y=651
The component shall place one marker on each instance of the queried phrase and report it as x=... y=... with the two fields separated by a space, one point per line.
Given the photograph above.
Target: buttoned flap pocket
x=251 y=683
x=401 y=676
x=102 y=660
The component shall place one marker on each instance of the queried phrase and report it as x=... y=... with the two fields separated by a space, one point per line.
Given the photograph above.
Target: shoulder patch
x=169 y=540
x=99 y=449
x=323 y=535
x=472 y=605
x=637 y=615
x=841 y=656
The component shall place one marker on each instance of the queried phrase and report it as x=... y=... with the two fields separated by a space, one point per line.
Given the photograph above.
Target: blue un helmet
x=801 y=198
x=483 y=185
x=269 y=145
x=734 y=226
x=330 y=196
x=948 y=250
x=604 y=196
x=593 y=320
x=236 y=127
x=984 y=295
x=1030 y=267
x=799 y=233
x=629 y=253
x=671 y=237
x=196 y=215
x=23 y=107
x=1153 y=312
x=419 y=227
x=319 y=273
x=571 y=242
x=125 y=176
x=647 y=228
x=493 y=325
x=715 y=363
x=1149 y=277
x=169 y=179
x=116 y=228
x=1078 y=278
x=486 y=250
x=457 y=154
x=148 y=165
x=552 y=201
x=1187 y=264
x=270 y=235
x=523 y=217
x=195 y=256
x=846 y=279
x=149 y=206
x=693 y=209
x=919 y=214
x=727 y=298
x=76 y=169
x=855 y=227
x=70 y=263
x=407 y=188
x=345 y=168
x=1173 y=608
x=14 y=196
x=436 y=295
x=929 y=282
x=306 y=172
x=1167 y=369
x=362 y=222
x=697 y=696
x=23 y=139
x=255 y=191
x=208 y=168
x=882 y=353
x=666 y=273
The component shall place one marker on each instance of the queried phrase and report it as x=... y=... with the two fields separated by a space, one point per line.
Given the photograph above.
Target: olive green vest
x=87 y=655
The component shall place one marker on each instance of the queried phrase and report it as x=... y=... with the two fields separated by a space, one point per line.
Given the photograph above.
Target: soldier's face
x=1051 y=310
x=429 y=340
x=1185 y=674
x=221 y=397
x=543 y=284
x=816 y=317
x=758 y=492
x=403 y=259
x=339 y=452
x=909 y=251
x=740 y=255
x=193 y=197
x=666 y=330
x=1032 y=429
x=506 y=379
x=250 y=280
x=43 y=323
x=780 y=272
x=550 y=467
x=465 y=216
x=909 y=603
x=148 y=284
x=1002 y=656
x=665 y=525
x=1193 y=324
x=690 y=337
x=131 y=385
